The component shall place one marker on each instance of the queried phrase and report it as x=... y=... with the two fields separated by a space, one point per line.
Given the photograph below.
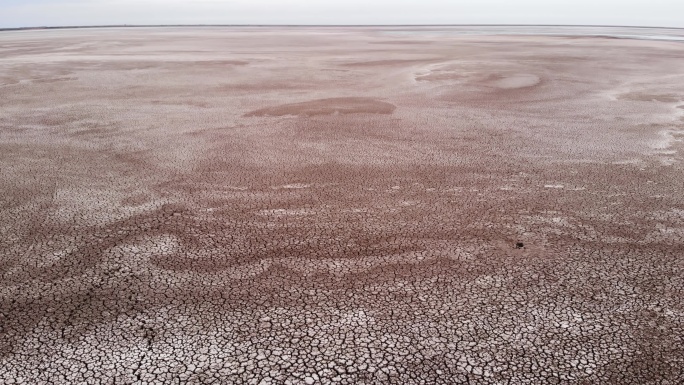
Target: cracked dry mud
x=300 y=206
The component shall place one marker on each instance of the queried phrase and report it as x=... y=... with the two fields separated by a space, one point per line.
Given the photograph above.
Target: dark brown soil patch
x=329 y=106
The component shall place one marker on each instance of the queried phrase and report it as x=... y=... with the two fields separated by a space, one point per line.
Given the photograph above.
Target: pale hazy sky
x=22 y=13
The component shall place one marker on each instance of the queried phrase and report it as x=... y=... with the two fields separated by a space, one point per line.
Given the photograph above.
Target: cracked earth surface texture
x=339 y=206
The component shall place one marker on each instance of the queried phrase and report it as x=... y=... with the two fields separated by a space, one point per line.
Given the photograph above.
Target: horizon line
x=4 y=29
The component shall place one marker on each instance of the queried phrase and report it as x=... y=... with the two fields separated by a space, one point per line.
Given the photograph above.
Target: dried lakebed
x=340 y=206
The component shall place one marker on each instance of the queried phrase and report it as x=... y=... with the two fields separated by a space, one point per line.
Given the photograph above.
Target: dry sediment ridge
x=340 y=205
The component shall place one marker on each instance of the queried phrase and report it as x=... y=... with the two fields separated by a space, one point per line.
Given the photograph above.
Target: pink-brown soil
x=331 y=205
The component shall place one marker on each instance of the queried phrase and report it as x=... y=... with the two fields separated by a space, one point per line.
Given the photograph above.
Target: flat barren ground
x=330 y=205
